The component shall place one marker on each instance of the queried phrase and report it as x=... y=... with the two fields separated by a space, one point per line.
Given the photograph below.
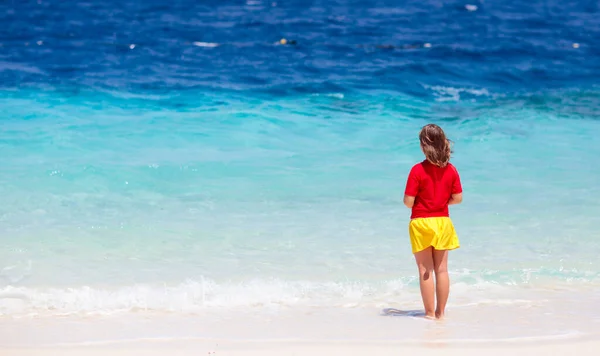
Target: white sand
x=268 y=348
x=514 y=329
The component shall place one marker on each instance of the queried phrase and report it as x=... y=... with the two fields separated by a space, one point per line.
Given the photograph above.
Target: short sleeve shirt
x=432 y=187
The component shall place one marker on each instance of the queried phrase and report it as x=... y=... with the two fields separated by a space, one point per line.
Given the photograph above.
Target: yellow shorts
x=437 y=232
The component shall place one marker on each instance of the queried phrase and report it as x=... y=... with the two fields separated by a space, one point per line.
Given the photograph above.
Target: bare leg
x=424 y=261
x=442 y=281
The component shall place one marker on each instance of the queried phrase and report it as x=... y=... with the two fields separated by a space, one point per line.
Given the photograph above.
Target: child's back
x=432 y=185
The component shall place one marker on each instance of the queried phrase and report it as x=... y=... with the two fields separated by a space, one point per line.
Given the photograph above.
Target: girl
x=432 y=185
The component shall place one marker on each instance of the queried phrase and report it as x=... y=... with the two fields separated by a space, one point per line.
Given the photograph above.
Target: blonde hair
x=436 y=146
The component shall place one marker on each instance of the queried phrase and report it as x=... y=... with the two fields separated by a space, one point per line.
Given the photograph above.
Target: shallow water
x=146 y=169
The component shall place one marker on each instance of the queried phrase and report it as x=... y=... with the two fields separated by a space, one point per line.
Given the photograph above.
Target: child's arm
x=412 y=187
x=409 y=201
x=454 y=199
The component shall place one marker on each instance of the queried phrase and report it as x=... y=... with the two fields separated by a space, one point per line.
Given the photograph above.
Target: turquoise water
x=115 y=202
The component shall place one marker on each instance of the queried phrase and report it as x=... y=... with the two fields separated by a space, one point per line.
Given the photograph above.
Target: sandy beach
x=231 y=348
x=494 y=330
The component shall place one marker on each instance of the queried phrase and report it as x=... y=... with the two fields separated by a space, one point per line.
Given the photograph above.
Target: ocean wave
x=443 y=93
x=188 y=297
x=195 y=296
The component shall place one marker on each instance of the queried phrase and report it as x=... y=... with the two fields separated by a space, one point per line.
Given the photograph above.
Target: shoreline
x=530 y=324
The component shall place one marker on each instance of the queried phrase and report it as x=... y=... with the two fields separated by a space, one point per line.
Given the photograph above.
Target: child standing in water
x=432 y=185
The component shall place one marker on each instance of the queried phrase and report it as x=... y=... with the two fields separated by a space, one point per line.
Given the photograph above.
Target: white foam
x=454 y=94
x=205 y=44
x=332 y=95
x=192 y=296
x=196 y=296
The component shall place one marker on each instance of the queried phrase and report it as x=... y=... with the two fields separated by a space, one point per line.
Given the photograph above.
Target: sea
x=244 y=161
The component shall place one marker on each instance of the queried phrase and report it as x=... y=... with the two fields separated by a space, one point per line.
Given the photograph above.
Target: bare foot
x=439 y=315
x=430 y=316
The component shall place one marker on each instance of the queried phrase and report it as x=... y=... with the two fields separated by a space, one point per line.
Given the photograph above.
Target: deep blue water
x=342 y=46
x=148 y=143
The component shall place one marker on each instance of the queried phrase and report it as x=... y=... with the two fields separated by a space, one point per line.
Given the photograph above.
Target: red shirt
x=432 y=187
